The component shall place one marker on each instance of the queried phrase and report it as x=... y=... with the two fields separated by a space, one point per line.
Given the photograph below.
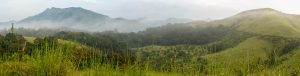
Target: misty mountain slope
x=71 y=14
x=264 y=21
x=66 y=17
x=79 y=19
x=156 y=23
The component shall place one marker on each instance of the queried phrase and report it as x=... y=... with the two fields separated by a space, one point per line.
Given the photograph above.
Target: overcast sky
x=150 y=9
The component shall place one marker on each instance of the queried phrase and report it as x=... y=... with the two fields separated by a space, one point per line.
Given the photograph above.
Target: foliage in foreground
x=250 y=55
x=68 y=59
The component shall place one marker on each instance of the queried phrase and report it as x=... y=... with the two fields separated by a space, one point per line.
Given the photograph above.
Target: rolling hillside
x=259 y=42
x=272 y=45
x=264 y=21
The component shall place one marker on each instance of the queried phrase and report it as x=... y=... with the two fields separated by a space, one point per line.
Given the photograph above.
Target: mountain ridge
x=264 y=21
x=80 y=19
x=57 y=14
x=83 y=19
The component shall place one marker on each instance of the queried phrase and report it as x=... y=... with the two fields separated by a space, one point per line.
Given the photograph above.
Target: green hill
x=259 y=42
x=264 y=21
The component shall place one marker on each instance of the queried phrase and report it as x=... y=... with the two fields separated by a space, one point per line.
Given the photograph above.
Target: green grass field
x=250 y=57
x=29 y=39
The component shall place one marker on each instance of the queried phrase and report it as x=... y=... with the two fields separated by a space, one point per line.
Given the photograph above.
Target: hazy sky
x=150 y=9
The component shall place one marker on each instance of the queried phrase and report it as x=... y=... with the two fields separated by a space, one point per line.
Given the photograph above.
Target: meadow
x=255 y=56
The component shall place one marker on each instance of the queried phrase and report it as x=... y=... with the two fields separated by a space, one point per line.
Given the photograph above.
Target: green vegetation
x=264 y=21
x=238 y=46
x=30 y=39
x=234 y=54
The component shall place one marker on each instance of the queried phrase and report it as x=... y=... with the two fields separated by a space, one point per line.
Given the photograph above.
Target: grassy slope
x=29 y=39
x=270 y=25
x=58 y=61
x=290 y=62
x=239 y=58
x=266 y=22
x=247 y=57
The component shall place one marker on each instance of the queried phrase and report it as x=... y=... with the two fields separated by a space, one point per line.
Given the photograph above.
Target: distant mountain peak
x=265 y=21
x=53 y=8
x=260 y=12
x=74 y=8
x=263 y=9
x=70 y=13
x=81 y=19
x=68 y=10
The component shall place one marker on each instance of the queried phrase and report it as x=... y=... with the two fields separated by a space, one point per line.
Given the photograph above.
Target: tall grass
x=74 y=59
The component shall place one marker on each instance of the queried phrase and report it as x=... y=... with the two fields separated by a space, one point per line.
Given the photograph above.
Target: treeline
x=165 y=35
x=40 y=32
x=100 y=41
x=15 y=43
x=168 y=35
x=283 y=45
x=11 y=43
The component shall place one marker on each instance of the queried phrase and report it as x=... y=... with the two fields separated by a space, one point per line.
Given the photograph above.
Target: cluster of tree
x=172 y=35
x=41 y=32
x=165 y=35
x=282 y=45
x=165 y=59
x=182 y=34
x=116 y=43
x=100 y=41
x=12 y=42
x=46 y=42
x=15 y=43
